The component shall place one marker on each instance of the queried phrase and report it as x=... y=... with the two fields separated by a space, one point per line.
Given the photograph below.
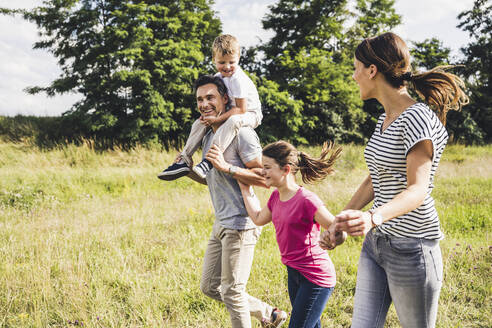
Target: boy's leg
x=237 y=257
x=224 y=136
x=198 y=131
x=183 y=166
x=229 y=129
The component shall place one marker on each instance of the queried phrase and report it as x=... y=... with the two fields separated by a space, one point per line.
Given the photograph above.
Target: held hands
x=331 y=238
x=216 y=157
x=355 y=223
x=208 y=120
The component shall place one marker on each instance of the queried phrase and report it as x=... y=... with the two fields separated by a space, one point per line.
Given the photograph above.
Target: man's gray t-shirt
x=226 y=196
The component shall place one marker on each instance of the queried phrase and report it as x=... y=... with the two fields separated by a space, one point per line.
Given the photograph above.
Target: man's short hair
x=225 y=44
x=211 y=79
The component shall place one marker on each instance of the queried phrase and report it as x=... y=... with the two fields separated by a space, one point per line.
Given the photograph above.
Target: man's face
x=209 y=100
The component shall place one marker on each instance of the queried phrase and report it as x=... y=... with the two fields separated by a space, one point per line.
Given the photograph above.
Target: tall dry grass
x=94 y=239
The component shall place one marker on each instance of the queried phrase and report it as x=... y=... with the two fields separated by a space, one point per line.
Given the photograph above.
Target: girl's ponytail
x=312 y=169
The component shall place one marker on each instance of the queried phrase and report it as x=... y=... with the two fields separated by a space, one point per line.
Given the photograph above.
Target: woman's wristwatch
x=376 y=218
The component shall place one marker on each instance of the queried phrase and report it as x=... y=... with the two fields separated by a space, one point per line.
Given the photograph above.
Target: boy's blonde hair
x=225 y=44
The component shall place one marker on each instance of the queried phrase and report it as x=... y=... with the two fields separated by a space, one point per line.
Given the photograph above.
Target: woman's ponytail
x=441 y=90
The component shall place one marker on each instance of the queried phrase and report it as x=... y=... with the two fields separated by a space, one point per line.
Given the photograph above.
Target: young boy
x=245 y=110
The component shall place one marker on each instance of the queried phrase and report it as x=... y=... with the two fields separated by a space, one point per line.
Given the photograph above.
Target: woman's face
x=363 y=76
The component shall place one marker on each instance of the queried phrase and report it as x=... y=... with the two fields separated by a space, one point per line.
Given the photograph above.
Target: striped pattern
x=385 y=156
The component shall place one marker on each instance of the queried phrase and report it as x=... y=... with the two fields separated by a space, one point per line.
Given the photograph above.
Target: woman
x=400 y=260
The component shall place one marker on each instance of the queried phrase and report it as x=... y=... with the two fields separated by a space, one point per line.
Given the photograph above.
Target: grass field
x=96 y=240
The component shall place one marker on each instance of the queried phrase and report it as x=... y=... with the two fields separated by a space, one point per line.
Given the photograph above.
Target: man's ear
x=373 y=70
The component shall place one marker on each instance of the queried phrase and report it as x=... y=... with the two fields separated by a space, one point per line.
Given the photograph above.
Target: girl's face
x=363 y=76
x=274 y=175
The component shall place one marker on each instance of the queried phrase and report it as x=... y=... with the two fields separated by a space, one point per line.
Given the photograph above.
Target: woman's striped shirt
x=386 y=155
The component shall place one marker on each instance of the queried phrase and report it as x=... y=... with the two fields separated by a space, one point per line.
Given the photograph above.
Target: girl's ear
x=287 y=169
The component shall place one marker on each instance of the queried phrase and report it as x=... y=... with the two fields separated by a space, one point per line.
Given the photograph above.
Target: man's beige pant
x=226 y=269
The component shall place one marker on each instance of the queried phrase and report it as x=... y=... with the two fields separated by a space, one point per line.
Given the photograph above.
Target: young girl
x=297 y=215
x=400 y=260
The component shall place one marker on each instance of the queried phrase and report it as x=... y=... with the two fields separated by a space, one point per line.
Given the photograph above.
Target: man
x=230 y=250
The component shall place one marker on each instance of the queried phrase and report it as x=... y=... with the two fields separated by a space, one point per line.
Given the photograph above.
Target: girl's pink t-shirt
x=298 y=236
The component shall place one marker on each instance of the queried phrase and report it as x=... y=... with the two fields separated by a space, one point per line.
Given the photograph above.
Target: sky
x=21 y=66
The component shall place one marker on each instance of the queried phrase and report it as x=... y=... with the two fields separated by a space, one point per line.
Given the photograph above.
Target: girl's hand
x=355 y=223
x=340 y=237
x=327 y=239
x=243 y=186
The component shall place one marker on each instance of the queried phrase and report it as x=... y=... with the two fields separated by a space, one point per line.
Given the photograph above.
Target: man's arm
x=251 y=175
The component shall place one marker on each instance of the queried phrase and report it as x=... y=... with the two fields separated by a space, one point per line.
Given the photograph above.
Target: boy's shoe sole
x=168 y=175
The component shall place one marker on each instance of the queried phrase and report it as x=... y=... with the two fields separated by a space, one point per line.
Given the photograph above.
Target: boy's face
x=226 y=64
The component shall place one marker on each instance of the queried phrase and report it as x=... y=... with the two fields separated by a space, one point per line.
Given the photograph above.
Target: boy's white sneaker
x=202 y=168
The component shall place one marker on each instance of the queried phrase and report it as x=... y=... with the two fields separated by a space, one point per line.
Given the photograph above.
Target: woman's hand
x=355 y=223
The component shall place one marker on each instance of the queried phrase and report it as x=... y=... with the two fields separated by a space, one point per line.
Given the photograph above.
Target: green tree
x=429 y=54
x=311 y=57
x=460 y=125
x=133 y=62
x=282 y=115
x=304 y=59
x=373 y=17
x=478 y=64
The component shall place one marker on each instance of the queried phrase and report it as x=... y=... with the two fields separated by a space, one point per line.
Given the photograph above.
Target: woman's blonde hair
x=443 y=91
x=312 y=169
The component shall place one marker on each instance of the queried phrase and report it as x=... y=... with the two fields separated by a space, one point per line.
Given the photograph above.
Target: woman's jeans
x=407 y=271
x=308 y=300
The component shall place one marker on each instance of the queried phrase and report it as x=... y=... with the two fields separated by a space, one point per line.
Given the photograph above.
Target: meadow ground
x=96 y=240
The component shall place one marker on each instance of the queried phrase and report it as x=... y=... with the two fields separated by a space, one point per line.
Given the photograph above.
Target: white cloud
x=21 y=67
x=425 y=19
x=243 y=19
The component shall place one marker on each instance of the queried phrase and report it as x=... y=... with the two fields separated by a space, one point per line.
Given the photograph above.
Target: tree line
x=134 y=63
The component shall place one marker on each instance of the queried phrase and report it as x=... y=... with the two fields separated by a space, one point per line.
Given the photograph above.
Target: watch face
x=377 y=219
